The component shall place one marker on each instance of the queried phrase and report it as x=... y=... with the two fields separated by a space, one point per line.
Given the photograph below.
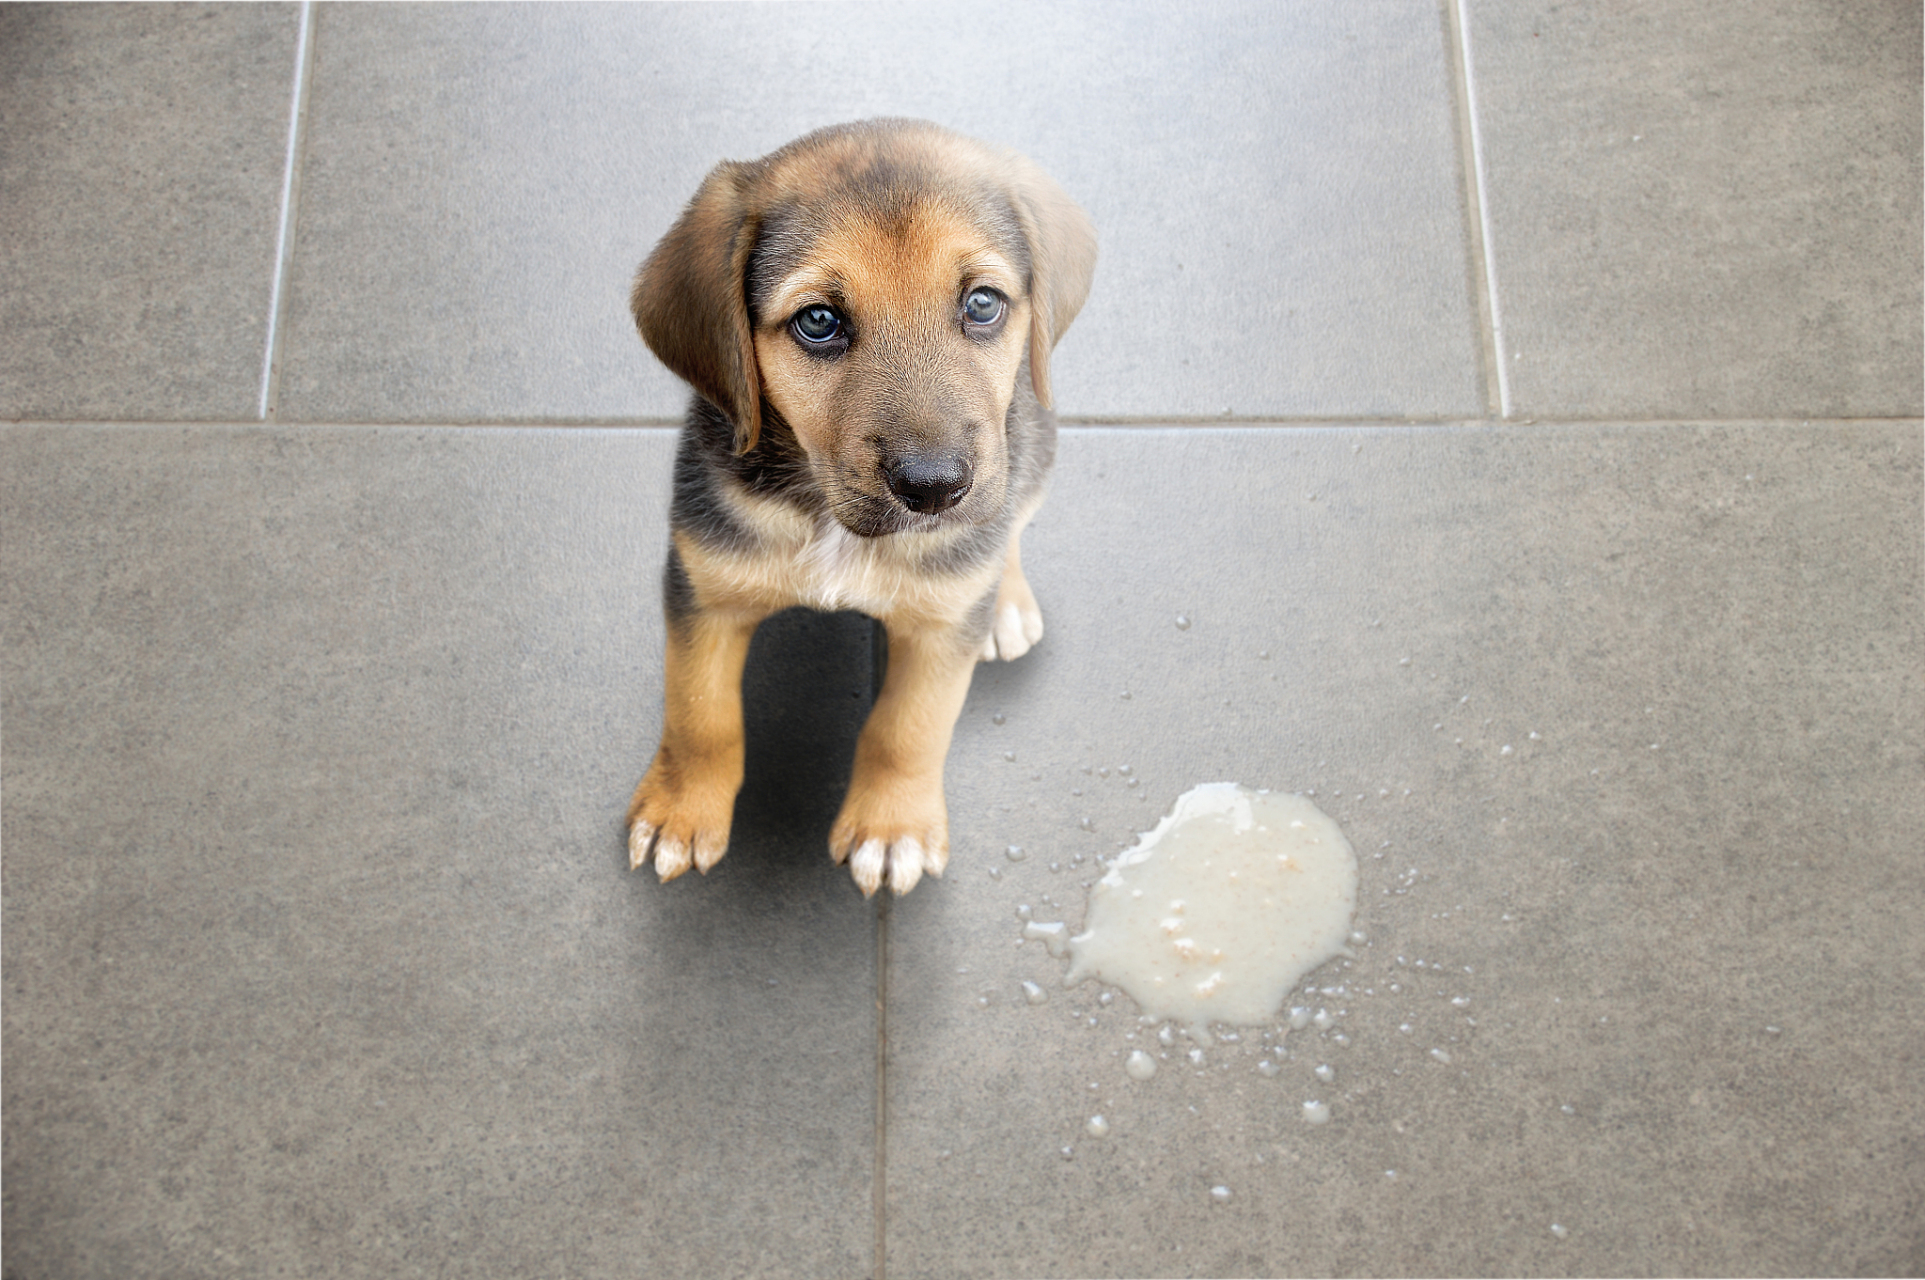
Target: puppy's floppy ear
x=1062 y=253
x=691 y=301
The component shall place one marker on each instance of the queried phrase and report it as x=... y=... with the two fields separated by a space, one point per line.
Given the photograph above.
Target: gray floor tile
x=1277 y=193
x=1706 y=210
x=1624 y=724
x=321 y=955
x=141 y=161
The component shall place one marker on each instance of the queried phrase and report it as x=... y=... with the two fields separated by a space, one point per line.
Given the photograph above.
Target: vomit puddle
x=1219 y=912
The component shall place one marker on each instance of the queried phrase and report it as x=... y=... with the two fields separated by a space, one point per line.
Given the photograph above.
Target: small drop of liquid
x=1054 y=935
x=1140 y=1065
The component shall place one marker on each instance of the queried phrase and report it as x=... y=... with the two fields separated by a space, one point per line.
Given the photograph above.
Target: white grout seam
x=1483 y=210
x=271 y=360
x=878 y=669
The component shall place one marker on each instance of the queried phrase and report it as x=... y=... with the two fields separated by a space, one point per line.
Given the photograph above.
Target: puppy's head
x=881 y=286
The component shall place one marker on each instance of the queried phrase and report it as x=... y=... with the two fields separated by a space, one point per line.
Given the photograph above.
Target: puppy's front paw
x=681 y=822
x=893 y=843
x=1018 y=623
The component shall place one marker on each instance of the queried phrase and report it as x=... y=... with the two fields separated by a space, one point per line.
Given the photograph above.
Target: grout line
x=290 y=173
x=878 y=671
x=1479 y=195
x=882 y=1083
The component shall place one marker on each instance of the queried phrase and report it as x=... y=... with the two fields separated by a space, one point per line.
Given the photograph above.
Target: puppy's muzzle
x=929 y=483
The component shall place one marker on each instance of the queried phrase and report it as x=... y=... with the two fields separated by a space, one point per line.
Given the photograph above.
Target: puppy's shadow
x=775 y=935
x=806 y=691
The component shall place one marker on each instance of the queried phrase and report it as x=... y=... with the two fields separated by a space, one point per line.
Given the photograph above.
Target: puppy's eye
x=983 y=306
x=818 y=325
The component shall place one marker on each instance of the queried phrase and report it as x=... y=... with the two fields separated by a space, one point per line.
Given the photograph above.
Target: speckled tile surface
x=477 y=263
x=1705 y=210
x=141 y=155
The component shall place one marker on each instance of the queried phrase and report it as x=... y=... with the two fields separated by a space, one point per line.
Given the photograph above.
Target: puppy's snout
x=929 y=483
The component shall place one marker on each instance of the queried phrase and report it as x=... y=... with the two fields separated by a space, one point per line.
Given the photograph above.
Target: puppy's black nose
x=931 y=482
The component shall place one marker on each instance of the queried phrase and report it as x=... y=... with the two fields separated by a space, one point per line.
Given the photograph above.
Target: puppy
x=866 y=317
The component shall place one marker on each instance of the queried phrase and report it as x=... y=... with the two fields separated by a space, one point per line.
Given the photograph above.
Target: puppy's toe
x=905 y=865
x=641 y=836
x=672 y=857
x=867 y=865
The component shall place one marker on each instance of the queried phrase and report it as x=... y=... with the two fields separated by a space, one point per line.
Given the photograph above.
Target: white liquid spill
x=1559 y=1230
x=1220 y=1195
x=1140 y=1065
x=1325 y=1073
x=1033 y=993
x=1097 y=1127
x=1222 y=909
x=1015 y=853
x=1315 y=1112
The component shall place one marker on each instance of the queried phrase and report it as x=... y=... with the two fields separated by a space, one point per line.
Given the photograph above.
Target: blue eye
x=983 y=306
x=817 y=325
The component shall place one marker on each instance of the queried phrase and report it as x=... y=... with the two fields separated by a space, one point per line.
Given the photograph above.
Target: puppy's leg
x=894 y=824
x=685 y=802
x=1018 y=621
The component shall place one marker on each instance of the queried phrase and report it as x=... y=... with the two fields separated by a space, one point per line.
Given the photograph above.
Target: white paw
x=901 y=862
x=1016 y=629
x=673 y=854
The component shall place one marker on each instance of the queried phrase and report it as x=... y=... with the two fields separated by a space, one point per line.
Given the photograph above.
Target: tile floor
x=1521 y=400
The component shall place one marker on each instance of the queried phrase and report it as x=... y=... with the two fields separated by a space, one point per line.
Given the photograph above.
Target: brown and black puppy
x=867 y=317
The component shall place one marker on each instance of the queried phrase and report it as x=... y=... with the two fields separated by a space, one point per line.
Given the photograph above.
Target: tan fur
x=894 y=225
x=687 y=800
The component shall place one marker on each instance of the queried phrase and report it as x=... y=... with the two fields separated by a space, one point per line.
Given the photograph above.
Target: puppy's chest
x=836 y=569
x=802 y=560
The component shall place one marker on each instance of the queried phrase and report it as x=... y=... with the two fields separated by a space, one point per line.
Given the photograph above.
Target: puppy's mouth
x=872 y=516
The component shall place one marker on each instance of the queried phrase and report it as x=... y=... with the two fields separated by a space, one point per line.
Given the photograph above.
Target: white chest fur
x=816 y=562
